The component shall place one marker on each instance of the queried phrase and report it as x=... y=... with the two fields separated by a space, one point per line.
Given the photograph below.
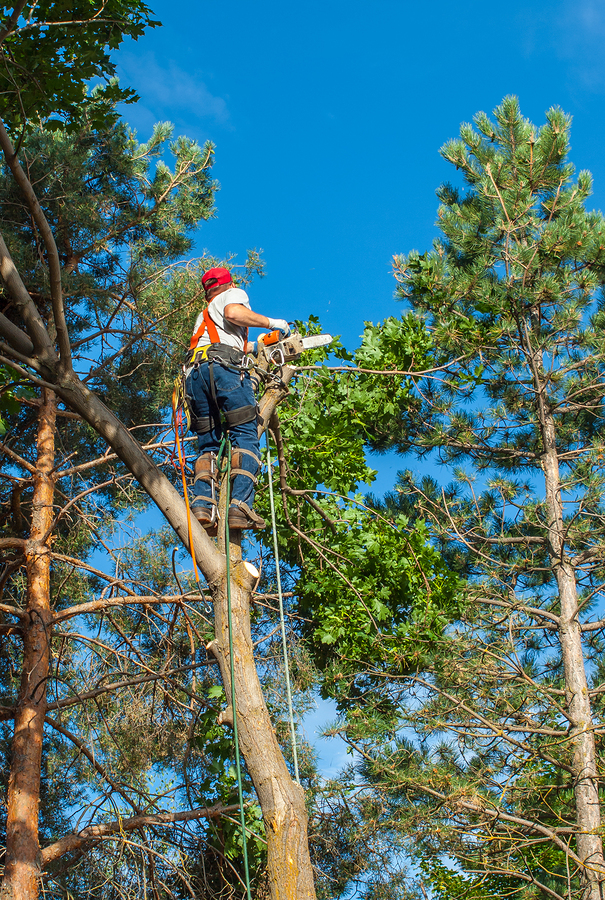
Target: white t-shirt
x=233 y=335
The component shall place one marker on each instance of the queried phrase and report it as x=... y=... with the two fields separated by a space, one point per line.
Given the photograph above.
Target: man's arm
x=238 y=314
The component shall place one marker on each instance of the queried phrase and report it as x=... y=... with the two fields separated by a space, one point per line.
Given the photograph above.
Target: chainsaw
x=278 y=350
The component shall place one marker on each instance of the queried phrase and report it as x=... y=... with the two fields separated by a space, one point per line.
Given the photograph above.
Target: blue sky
x=328 y=117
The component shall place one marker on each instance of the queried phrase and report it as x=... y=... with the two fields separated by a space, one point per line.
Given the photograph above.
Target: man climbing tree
x=37 y=336
x=46 y=336
x=218 y=380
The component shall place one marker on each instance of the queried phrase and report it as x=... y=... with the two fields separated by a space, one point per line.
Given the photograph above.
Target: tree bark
x=170 y=503
x=589 y=843
x=22 y=869
x=282 y=801
x=586 y=787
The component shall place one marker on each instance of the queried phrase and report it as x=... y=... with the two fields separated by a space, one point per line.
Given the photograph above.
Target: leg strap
x=241 y=516
x=236 y=463
x=206 y=470
x=240 y=416
x=201 y=424
x=212 y=381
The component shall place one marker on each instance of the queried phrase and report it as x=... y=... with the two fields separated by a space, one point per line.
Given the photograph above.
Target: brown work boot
x=241 y=516
x=204 y=515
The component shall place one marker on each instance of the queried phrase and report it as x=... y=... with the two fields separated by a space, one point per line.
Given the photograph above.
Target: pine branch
x=94 y=833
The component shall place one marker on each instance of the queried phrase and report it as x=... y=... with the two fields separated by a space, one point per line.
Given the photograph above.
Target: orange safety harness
x=207 y=324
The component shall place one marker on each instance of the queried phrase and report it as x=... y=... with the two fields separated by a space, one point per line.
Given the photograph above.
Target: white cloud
x=577 y=38
x=591 y=16
x=166 y=87
x=572 y=33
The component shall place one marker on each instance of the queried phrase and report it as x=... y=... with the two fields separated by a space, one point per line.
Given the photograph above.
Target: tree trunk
x=170 y=503
x=22 y=870
x=282 y=801
x=586 y=787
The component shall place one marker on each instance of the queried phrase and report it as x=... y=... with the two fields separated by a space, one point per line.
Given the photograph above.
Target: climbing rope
x=238 y=768
x=177 y=406
x=225 y=444
x=281 y=614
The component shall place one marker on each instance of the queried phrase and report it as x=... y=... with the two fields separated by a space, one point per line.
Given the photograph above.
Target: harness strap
x=228 y=356
x=234 y=458
x=240 y=416
x=212 y=381
x=201 y=424
x=207 y=323
x=253 y=478
x=198 y=355
x=211 y=501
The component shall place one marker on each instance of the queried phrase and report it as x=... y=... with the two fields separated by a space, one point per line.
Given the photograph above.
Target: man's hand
x=280 y=325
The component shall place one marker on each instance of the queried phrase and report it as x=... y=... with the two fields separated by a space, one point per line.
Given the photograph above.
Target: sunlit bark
x=22 y=871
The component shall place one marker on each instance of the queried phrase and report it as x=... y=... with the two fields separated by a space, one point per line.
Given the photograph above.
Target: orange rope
x=175 y=420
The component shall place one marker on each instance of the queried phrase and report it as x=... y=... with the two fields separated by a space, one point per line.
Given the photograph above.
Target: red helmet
x=216 y=276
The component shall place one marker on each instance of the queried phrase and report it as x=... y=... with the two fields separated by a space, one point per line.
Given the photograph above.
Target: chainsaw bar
x=316 y=340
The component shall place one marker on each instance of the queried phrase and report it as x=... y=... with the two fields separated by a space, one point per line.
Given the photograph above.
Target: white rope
x=281 y=614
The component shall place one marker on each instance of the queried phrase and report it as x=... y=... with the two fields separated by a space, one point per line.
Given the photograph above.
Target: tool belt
x=222 y=353
x=226 y=356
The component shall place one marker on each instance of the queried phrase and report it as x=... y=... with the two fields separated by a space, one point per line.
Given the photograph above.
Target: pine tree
x=504 y=774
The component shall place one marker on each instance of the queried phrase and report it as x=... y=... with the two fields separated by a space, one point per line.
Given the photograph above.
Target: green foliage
x=390 y=598
x=469 y=761
x=371 y=585
x=447 y=884
x=399 y=345
x=12 y=390
x=54 y=48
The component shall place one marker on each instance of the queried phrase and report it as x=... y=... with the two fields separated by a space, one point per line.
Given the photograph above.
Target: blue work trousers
x=232 y=392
